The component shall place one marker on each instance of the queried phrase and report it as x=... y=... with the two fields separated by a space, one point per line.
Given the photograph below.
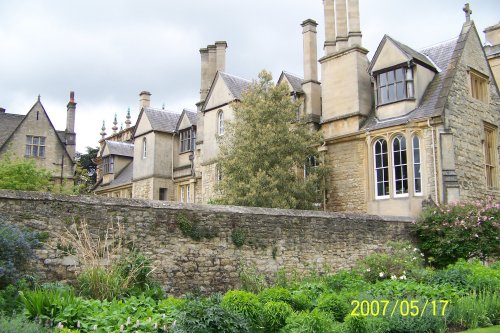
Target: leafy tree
x=22 y=174
x=86 y=169
x=264 y=150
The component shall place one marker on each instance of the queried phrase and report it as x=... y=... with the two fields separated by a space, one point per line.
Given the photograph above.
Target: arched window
x=400 y=166
x=220 y=122
x=144 y=148
x=381 y=168
x=417 y=174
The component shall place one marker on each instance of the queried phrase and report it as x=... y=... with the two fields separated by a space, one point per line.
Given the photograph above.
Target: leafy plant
x=16 y=250
x=245 y=304
x=309 y=322
x=335 y=305
x=238 y=236
x=475 y=310
x=19 y=323
x=459 y=231
x=251 y=280
x=275 y=294
x=23 y=174
x=192 y=228
x=356 y=324
x=275 y=315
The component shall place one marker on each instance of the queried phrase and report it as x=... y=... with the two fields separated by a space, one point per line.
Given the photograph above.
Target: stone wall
x=275 y=239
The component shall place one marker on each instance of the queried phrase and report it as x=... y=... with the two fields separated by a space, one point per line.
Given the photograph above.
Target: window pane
x=35 y=150
x=397 y=172
x=28 y=150
x=36 y=140
x=378 y=161
x=400 y=90
x=42 y=151
x=396 y=145
x=392 y=93
x=382 y=78
x=403 y=143
x=390 y=77
x=42 y=140
x=399 y=75
x=29 y=139
x=417 y=171
x=418 y=186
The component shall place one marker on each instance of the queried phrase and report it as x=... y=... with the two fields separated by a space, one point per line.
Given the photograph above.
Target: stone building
x=403 y=128
x=32 y=136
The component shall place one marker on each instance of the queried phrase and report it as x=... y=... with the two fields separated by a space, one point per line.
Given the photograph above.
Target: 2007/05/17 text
x=403 y=308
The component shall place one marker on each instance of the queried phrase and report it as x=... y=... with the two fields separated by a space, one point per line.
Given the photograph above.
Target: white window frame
x=400 y=165
x=376 y=168
x=419 y=163
x=220 y=122
x=144 y=148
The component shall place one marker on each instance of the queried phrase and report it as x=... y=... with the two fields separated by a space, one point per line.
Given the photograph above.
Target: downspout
x=434 y=162
x=172 y=160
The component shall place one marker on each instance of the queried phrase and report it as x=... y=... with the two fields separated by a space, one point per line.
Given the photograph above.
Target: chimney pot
x=145 y=99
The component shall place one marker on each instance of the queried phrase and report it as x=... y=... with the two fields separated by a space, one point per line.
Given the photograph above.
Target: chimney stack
x=204 y=73
x=213 y=59
x=70 y=126
x=145 y=99
x=311 y=86
x=220 y=63
x=354 y=23
x=330 y=33
x=342 y=25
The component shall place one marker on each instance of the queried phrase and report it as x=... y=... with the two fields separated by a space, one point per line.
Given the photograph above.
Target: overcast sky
x=107 y=51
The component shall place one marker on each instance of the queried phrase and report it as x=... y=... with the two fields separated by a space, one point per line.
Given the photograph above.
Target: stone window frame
x=415 y=164
x=220 y=122
x=382 y=167
x=108 y=163
x=390 y=190
x=406 y=82
x=187 y=138
x=35 y=146
x=400 y=166
x=490 y=151
x=144 y=148
x=478 y=85
x=184 y=193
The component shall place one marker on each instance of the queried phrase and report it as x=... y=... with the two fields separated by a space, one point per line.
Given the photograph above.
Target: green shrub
x=302 y=300
x=345 y=281
x=251 y=280
x=476 y=310
x=19 y=324
x=23 y=174
x=245 y=304
x=336 y=305
x=16 y=250
x=399 y=261
x=100 y=283
x=428 y=322
x=192 y=228
x=275 y=315
x=309 y=322
x=275 y=294
x=356 y=324
x=396 y=289
x=459 y=231
x=238 y=236
x=206 y=316
x=10 y=301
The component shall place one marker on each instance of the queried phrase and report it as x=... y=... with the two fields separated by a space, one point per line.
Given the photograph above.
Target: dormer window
x=395 y=85
x=188 y=139
x=108 y=164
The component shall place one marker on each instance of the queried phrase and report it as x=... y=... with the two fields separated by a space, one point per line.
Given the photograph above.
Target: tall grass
x=476 y=310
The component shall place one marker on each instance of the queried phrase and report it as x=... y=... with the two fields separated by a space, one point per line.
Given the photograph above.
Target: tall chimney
x=330 y=33
x=341 y=20
x=145 y=99
x=311 y=86
x=354 y=23
x=220 y=48
x=212 y=63
x=70 y=126
x=204 y=74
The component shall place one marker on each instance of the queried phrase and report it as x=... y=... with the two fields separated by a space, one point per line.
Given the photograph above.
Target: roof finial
x=163 y=106
x=39 y=97
x=468 y=12
x=103 y=130
x=115 y=125
x=128 y=122
x=121 y=127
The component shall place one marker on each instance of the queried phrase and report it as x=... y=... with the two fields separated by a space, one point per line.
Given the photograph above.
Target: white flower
x=404 y=272
x=122 y=328
x=368 y=269
x=156 y=326
x=128 y=321
x=393 y=277
x=137 y=323
x=60 y=326
x=415 y=249
x=381 y=274
x=402 y=277
x=421 y=254
x=78 y=324
x=95 y=328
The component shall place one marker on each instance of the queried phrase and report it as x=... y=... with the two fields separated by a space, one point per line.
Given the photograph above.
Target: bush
x=302 y=300
x=356 y=324
x=459 y=231
x=419 y=324
x=18 y=323
x=476 y=310
x=309 y=322
x=16 y=250
x=207 y=316
x=21 y=174
x=245 y=304
x=275 y=294
x=398 y=261
x=394 y=289
x=336 y=305
x=275 y=315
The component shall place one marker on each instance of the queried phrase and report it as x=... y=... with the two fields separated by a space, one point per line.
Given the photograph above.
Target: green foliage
x=309 y=322
x=396 y=289
x=481 y=277
x=86 y=175
x=334 y=304
x=275 y=294
x=207 y=316
x=356 y=324
x=18 y=324
x=459 y=231
x=476 y=310
x=16 y=250
x=191 y=228
x=303 y=300
x=251 y=280
x=238 y=236
x=23 y=174
x=245 y=304
x=398 y=261
x=428 y=322
x=262 y=149
x=275 y=315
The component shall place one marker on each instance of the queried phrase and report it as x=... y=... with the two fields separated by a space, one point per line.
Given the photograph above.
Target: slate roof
x=191 y=116
x=124 y=177
x=295 y=81
x=162 y=120
x=445 y=56
x=61 y=135
x=235 y=84
x=8 y=124
x=120 y=148
x=411 y=52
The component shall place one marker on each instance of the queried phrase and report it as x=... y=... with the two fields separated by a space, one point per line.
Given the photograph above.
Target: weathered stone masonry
x=289 y=239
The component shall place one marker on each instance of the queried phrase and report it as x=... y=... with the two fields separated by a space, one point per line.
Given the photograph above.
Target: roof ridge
x=235 y=76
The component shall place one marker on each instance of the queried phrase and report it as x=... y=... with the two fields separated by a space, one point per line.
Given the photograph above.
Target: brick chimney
x=145 y=99
x=70 y=126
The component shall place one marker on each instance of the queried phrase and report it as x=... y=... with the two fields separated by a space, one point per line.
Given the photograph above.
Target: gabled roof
x=294 y=80
x=119 y=148
x=446 y=56
x=191 y=115
x=123 y=178
x=8 y=124
x=162 y=120
x=235 y=84
x=410 y=53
